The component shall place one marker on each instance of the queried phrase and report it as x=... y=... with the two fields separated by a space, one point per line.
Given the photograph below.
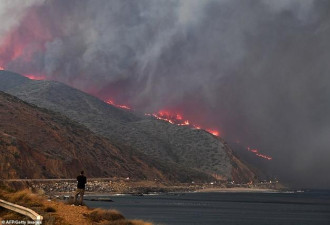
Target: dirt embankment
x=60 y=213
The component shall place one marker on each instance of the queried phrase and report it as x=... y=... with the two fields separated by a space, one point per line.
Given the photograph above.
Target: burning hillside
x=257 y=153
x=30 y=76
x=178 y=145
x=39 y=54
x=170 y=117
x=165 y=115
x=35 y=77
x=178 y=119
x=111 y=102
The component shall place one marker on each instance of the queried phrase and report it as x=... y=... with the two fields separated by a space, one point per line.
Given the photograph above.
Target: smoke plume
x=256 y=69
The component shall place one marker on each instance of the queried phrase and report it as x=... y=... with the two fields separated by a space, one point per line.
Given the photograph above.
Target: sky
x=257 y=70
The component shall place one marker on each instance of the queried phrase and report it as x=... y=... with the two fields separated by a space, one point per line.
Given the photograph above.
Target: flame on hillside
x=111 y=102
x=30 y=76
x=178 y=119
x=257 y=153
x=35 y=77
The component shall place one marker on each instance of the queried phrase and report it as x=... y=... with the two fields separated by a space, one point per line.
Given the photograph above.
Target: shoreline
x=238 y=190
x=56 y=188
x=205 y=190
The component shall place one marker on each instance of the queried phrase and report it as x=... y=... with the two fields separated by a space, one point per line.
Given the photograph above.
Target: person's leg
x=75 y=196
x=82 y=196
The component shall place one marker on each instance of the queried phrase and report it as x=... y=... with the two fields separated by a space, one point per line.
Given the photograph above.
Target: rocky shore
x=104 y=186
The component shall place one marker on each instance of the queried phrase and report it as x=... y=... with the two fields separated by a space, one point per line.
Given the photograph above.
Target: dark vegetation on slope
x=38 y=143
x=178 y=145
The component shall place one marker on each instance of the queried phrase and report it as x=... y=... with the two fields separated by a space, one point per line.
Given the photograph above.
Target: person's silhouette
x=82 y=180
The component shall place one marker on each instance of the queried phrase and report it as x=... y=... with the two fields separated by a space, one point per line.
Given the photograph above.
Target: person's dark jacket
x=81 y=181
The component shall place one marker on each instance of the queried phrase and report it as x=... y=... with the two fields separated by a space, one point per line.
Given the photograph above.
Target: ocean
x=285 y=208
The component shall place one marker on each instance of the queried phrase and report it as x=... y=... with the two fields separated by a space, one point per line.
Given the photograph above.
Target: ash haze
x=256 y=69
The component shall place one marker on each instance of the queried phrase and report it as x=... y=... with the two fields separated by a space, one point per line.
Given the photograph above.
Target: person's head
x=82 y=172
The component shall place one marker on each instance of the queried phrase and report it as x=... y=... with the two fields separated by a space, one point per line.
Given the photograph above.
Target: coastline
x=239 y=190
x=203 y=190
x=61 y=188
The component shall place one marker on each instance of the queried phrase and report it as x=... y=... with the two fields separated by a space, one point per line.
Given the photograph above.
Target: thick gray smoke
x=12 y=11
x=259 y=70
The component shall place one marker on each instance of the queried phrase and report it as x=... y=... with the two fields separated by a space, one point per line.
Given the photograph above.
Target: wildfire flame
x=35 y=77
x=257 y=153
x=178 y=119
x=111 y=102
x=214 y=132
x=30 y=76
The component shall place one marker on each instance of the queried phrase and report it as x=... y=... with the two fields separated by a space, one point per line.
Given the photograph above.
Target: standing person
x=82 y=180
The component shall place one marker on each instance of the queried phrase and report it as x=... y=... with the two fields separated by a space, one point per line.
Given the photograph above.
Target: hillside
x=182 y=145
x=38 y=143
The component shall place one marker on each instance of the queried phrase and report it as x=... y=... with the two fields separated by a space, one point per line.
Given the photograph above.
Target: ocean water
x=307 y=208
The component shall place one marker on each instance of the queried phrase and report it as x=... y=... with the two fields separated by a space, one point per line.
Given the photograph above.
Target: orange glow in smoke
x=17 y=47
x=26 y=40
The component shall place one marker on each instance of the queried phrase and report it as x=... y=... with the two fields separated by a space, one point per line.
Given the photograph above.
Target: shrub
x=9 y=215
x=24 y=197
x=50 y=209
x=98 y=215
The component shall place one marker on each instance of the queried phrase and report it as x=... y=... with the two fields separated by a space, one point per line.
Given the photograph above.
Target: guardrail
x=22 y=210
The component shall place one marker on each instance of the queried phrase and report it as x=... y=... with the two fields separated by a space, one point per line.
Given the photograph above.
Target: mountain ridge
x=188 y=147
x=38 y=143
